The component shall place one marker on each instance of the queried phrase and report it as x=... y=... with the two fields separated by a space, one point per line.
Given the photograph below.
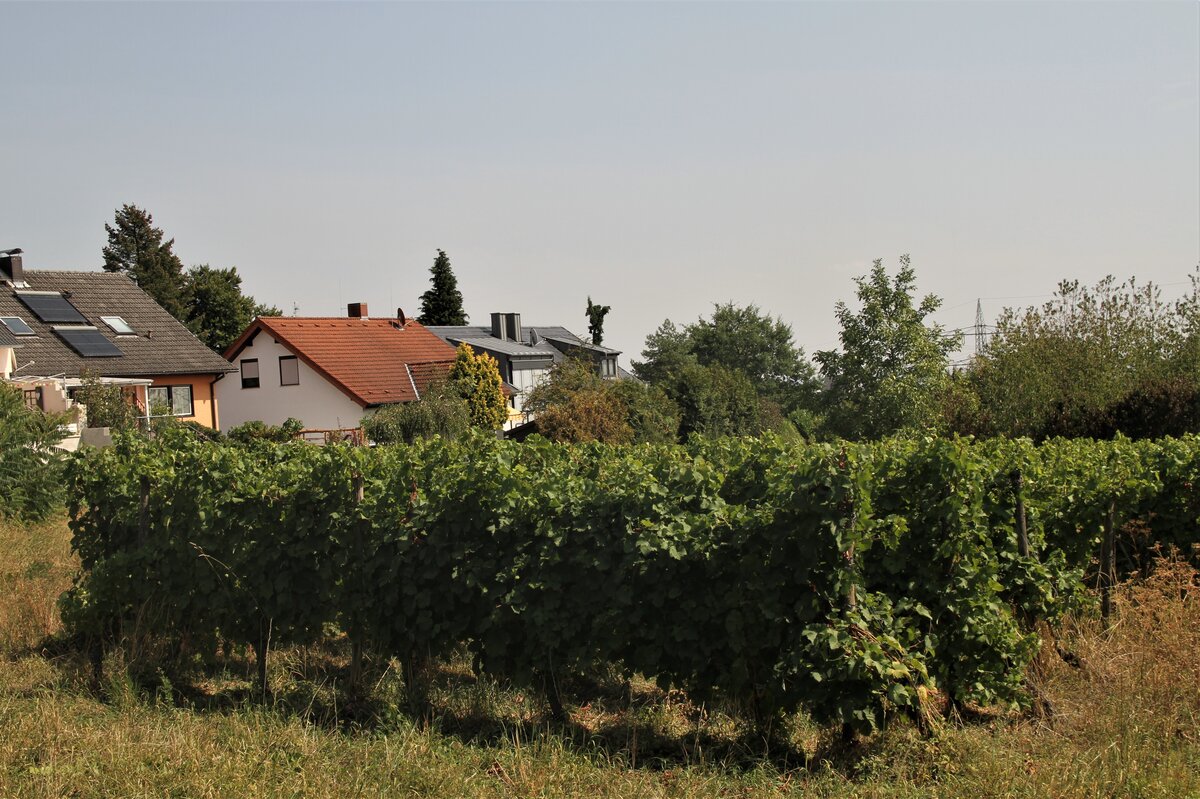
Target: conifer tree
x=443 y=303
x=477 y=380
x=136 y=248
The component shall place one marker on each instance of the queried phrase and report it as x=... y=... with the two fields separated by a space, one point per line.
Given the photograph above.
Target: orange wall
x=204 y=404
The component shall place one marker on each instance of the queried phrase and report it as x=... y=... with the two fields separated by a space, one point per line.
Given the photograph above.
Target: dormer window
x=118 y=325
x=17 y=326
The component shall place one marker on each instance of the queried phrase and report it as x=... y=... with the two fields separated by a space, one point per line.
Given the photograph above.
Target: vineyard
x=853 y=582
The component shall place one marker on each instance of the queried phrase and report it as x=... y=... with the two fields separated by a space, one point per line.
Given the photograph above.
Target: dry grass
x=1125 y=722
x=36 y=566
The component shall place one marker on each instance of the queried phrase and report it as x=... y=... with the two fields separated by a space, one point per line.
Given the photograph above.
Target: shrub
x=441 y=412
x=261 y=431
x=30 y=464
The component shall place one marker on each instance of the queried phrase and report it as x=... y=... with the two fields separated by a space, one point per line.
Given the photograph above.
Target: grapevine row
x=845 y=580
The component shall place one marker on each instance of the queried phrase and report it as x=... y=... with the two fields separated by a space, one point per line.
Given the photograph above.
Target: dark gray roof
x=506 y=347
x=481 y=336
x=7 y=339
x=161 y=346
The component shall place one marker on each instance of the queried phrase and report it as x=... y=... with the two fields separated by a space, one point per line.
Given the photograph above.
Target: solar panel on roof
x=51 y=307
x=88 y=342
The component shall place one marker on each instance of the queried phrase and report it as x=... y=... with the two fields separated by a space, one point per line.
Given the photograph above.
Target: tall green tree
x=136 y=247
x=893 y=366
x=595 y=315
x=442 y=304
x=737 y=339
x=215 y=308
x=476 y=377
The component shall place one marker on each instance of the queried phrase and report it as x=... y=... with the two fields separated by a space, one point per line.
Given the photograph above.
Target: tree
x=443 y=303
x=746 y=340
x=736 y=339
x=136 y=248
x=216 y=309
x=650 y=413
x=715 y=401
x=668 y=350
x=1092 y=361
x=440 y=411
x=476 y=378
x=595 y=315
x=575 y=404
x=893 y=367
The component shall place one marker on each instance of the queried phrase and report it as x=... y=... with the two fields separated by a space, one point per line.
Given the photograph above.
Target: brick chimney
x=357 y=310
x=11 y=270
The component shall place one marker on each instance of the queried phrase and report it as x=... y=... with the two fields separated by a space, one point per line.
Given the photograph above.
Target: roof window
x=17 y=326
x=118 y=325
x=50 y=306
x=88 y=342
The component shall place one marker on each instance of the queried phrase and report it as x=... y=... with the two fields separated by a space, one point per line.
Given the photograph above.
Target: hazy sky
x=659 y=157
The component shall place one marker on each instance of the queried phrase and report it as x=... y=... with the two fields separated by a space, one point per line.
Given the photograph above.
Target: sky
x=658 y=158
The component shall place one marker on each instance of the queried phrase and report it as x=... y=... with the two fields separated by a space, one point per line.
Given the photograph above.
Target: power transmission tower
x=980 y=328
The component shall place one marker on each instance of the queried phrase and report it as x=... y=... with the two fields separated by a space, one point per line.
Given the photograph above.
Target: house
x=525 y=354
x=328 y=372
x=62 y=326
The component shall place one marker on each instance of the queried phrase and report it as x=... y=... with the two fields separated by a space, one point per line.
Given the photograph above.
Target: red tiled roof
x=365 y=358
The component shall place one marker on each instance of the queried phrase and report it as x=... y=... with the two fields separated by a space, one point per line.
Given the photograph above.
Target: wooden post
x=1018 y=484
x=1108 y=577
x=355 y=625
x=262 y=650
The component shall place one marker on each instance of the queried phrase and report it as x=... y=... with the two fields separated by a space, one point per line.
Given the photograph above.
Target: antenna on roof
x=295 y=309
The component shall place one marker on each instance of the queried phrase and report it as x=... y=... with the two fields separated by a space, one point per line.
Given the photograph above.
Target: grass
x=1123 y=721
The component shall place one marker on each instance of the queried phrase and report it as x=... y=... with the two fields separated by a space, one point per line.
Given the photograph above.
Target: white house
x=328 y=372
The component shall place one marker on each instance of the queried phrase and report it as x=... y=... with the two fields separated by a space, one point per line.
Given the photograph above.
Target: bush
x=441 y=412
x=107 y=405
x=30 y=464
x=260 y=431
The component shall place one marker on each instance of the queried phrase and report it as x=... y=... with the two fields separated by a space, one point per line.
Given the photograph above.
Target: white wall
x=524 y=380
x=315 y=401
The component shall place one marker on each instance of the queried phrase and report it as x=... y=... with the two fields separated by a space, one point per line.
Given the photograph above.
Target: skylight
x=50 y=306
x=17 y=326
x=118 y=325
x=88 y=342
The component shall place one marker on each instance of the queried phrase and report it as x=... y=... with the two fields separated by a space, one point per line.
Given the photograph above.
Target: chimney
x=11 y=270
x=357 y=310
x=514 y=326
x=499 y=326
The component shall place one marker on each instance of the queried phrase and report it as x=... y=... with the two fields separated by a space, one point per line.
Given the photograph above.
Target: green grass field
x=1124 y=722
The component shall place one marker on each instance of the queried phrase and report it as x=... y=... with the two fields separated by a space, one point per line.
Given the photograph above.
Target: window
x=250 y=373
x=50 y=306
x=118 y=325
x=289 y=370
x=170 y=400
x=17 y=326
x=88 y=342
